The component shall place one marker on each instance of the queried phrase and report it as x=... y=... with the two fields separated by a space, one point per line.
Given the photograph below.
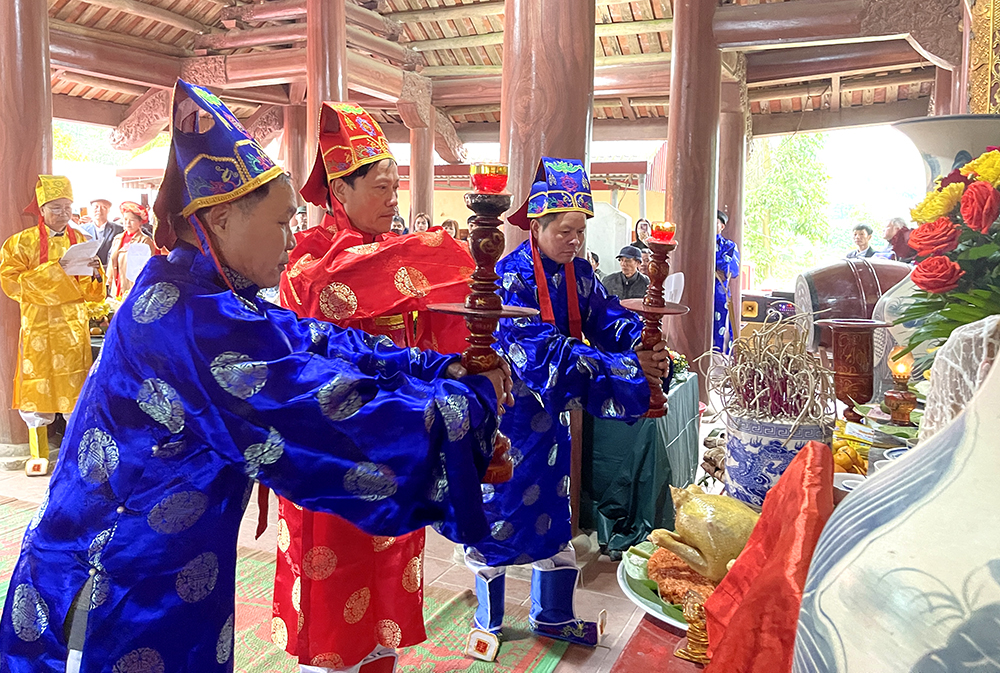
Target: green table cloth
x=628 y=469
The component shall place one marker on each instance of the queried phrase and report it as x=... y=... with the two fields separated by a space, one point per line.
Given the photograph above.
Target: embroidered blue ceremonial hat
x=561 y=185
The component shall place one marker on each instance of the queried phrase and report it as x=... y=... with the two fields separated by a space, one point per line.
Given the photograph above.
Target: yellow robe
x=54 y=346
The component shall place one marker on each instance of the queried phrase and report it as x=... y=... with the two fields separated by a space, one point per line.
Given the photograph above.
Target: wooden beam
x=604 y=129
x=835 y=93
x=460 y=70
x=462 y=11
x=820 y=62
x=103 y=58
x=447 y=142
x=660 y=57
x=633 y=27
x=120 y=39
x=296 y=9
x=849 y=117
x=154 y=13
x=98 y=83
x=97 y=112
x=763 y=26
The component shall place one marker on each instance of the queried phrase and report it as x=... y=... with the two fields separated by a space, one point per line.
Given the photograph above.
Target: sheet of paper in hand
x=76 y=261
x=135 y=259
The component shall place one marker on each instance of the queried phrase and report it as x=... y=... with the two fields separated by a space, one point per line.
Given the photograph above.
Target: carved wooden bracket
x=933 y=27
x=446 y=141
x=984 y=73
x=267 y=122
x=414 y=104
x=147 y=117
x=205 y=70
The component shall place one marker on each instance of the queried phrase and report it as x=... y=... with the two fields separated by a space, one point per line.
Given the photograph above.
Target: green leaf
x=647 y=589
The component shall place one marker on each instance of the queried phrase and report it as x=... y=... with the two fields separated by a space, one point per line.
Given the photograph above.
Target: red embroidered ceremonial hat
x=348 y=138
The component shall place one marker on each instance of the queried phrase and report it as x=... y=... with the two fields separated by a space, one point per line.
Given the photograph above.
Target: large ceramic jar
x=758 y=452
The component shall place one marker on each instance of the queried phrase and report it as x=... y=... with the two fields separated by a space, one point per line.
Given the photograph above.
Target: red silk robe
x=349 y=591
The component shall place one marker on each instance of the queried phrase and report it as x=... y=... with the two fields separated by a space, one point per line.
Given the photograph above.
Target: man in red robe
x=356 y=597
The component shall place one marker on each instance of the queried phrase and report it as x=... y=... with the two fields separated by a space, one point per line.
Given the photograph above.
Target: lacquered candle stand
x=653 y=307
x=853 y=363
x=483 y=307
x=899 y=399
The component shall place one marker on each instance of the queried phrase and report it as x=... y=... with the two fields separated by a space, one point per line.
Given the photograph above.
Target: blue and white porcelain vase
x=906 y=575
x=758 y=452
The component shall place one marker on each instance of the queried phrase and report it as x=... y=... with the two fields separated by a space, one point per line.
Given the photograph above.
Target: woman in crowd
x=134 y=216
x=643 y=230
x=421 y=222
x=451 y=226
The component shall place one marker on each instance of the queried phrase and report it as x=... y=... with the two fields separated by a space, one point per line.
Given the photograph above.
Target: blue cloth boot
x=489 y=612
x=552 y=613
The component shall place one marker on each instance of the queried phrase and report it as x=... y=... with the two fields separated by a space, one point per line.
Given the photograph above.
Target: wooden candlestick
x=853 y=361
x=652 y=308
x=483 y=308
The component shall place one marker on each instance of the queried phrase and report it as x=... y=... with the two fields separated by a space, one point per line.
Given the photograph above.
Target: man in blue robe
x=202 y=388
x=555 y=372
x=727 y=267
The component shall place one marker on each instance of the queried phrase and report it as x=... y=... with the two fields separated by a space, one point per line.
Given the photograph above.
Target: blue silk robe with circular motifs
x=199 y=391
x=554 y=373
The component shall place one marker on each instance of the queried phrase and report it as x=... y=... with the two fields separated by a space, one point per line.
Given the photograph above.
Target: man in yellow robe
x=54 y=347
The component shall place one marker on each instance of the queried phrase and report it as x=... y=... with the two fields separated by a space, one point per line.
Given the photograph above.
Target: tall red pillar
x=692 y=157
x=422 y=172
x=25 y=151
x=548 y=89
x=732 y=169
x=326 y=66
x=295 y=141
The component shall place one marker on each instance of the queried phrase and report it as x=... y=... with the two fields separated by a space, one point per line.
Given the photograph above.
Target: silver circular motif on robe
x=520 y=388
x=531 y=495
x=317 y=331
x=455 y=411
x=517 y=356
x=542 y=524
x=553 y=376
x=97 y=545
x=266 y=453
x=97 y=456
x=501 y=530
x=40 y=512
x=339 y=399
x=564 y=418
x=541 y=422
x=516 y=456
x=587 y=366
x=562 y=490
x=489 y=492
x=612 y=409
x=510 y=281
x=155 y=303
x=142 y=660
x=100 y=589
x=553 y=454
x=370 y=482
x=238 y=374
x=177 y=512
x=429 y=416
x=196 y=580
x=224 y=646
x=162 y=403
x=29 y=614
x=625 y=368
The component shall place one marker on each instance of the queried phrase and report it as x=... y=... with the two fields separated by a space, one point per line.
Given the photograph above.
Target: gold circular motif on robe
x=38 y=344
x=364 y=248
x=300 y=265
x=177 y=512
x=196 y=580
x=381 y=542
x=29 y=613
x=357 y=605
x=297 y=594
x=29 y=406
x=319 y=563
x=338 y=301
x=42 y=386
x=388 y=633
x=328 y=660
x=432 y=239
x=466 y=271
x=58 y=361
x=279 y=633
x=64 y=404
x=224 y=646
x=27 y=367
x=284 y=537
x=97 y=456
x=142 y=660
x=301 y=622
x=410 y=282
x=412 y=575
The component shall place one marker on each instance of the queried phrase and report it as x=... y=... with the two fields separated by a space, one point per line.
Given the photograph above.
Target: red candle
x=489 y=177
x=664 y=231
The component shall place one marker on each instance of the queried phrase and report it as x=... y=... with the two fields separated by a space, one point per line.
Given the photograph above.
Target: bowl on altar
x=488 y=177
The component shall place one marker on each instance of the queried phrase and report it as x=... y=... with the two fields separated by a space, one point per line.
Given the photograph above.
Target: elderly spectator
x=54 y=349
x=134 y=216
x=451 y=226
x=897 y=234
x=628 y=283
x=300 y=220
x=862 y=239
x=398 y=226
x=101 y=228
x=421 y=222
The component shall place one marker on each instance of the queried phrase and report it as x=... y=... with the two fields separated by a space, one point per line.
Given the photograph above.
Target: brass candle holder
x=853 y=361
x=899 y=399
x=483 y=307
x=653 y=307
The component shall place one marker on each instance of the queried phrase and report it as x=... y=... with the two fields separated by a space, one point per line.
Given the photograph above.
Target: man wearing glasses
x=54 y=348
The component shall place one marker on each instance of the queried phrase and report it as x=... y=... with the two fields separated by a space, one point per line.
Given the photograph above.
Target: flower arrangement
x=958 y=247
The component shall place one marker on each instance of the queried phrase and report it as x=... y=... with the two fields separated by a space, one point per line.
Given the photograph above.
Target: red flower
x=937 y=274
x=935 y=237
x=953 y=177
x=980 y=206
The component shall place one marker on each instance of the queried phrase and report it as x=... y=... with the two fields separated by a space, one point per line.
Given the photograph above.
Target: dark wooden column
x=692 y=155
x=943 y=90
x=422 y=172
x=295 y=142
x=326 y=66
x=732 y=166
x=547 y=90
x=25 y=151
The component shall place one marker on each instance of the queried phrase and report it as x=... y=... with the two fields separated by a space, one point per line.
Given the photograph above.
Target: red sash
x=545 y=301
x=43 y=240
